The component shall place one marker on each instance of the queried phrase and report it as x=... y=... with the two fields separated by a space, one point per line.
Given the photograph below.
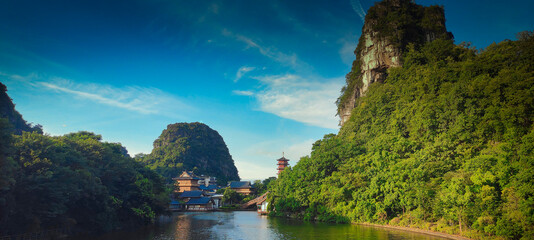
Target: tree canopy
x=445 y=143
x=76 y=181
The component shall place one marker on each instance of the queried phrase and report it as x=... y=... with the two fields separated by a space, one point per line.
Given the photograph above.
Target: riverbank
x=416 y=230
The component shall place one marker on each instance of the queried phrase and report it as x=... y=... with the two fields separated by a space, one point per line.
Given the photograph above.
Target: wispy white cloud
x=133 y=98
x=291 y=96
x=242 y=71
x=303 y=100
x=17 y=77
x=134 y=104
x=243 y=93
x=358 y=9
x=270 y=52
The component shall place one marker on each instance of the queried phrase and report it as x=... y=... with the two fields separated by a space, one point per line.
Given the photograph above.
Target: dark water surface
x=249 y=225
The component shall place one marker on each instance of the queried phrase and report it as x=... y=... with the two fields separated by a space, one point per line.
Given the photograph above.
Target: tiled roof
x=187 y=178
x=198 y=201
x=241 y=184
x=283 y=159
x=187 y=175
x=191 y=194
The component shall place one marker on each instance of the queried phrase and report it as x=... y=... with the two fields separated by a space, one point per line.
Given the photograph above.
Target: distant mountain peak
x=192 y=146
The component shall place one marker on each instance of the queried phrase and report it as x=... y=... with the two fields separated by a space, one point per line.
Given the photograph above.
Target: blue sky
x=264 y=74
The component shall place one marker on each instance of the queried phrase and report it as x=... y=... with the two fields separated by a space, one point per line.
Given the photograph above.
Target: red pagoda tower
x=282 y=164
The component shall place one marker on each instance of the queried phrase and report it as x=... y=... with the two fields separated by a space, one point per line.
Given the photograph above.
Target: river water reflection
x=249 y=225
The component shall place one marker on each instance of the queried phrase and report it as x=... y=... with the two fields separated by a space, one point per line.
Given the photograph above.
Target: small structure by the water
x=187 y=195
x=242 y=187
x=282 y=164
x=195 y=193
x=199 y=204
x=262 y=207
x=260 y=203
x=194 y=201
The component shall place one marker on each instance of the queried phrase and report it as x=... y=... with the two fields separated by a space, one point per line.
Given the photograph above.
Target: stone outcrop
x=192 y=147
x=389 y=27
x=376 y=57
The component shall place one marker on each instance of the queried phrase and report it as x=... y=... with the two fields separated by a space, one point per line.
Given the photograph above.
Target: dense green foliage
x=232 y=200
x=191 y=146
x=231 y=197
x=261 y=187
x=400 y=23
x=445 y=143
x=403 y=22
x=74 y=181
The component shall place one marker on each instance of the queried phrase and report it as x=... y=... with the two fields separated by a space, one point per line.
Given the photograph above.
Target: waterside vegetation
x=75 y=181
x=445 y=143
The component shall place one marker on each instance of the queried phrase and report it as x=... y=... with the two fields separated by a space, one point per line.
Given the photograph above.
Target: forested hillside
x=445 y=142
x=390 y=27
x=192 y=147
x=74 y=181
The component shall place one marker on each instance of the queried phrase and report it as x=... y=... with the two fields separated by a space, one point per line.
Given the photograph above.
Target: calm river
x=249 y=225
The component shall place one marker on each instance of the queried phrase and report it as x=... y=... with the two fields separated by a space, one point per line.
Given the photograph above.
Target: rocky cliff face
x=390 y=26
x=192 y=146
x=375 y=57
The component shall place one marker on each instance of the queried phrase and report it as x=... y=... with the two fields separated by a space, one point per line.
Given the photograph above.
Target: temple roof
x=187 y=175
x=198 y=201
x=191 y=194
x=283 y=159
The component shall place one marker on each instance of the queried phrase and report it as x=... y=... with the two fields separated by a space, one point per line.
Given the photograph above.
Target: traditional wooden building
x=242 y=187
x=188 y=195
x=199 y=204
x=209 y=189
x=195 y=201
x=195 y=193
x=187 y=181
x=282 y=164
